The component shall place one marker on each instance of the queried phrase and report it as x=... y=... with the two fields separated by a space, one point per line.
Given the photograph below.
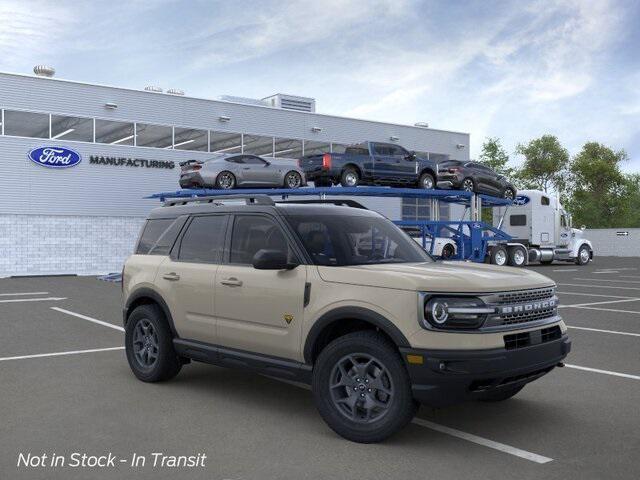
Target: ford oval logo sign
x=521 y=200
x=55 y=157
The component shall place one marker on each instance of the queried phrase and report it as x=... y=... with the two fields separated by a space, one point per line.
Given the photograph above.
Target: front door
x=256 y=171
x=186 y=279
x=259 y=310
x=564 y=230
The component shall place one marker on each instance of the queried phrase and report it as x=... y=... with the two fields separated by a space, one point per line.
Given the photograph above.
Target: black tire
x=583 y=258
x=350 y=177
x=221 y=182
x=499 y=255
x=167 y=364
x=517 y=256
x=448 y=251
x=426 y=182
x=509 y=193
x=292 y=180
x=401 y=406
x=499 y=395
x=468 y=185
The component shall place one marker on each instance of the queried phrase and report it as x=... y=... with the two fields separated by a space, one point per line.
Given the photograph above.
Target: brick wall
x=43 y=245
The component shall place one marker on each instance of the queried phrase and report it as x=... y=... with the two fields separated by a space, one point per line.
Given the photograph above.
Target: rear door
x=187 y=277
x=259 y=310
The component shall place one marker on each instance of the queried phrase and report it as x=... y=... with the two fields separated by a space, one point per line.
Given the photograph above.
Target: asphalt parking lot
x=66 y=387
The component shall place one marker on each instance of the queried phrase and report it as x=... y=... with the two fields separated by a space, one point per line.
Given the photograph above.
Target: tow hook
x=560 y=364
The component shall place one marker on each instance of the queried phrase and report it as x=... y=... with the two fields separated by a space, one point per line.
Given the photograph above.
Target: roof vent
x=153 y=88
x=292 y=102
x=421 y=124
x=44 y=71
x=175 y=91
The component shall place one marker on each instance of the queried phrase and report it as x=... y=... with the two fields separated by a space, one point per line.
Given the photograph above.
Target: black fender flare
x=151 y=294
x=351 y=313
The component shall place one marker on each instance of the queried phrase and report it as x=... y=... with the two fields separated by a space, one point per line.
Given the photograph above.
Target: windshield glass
x=341 y=240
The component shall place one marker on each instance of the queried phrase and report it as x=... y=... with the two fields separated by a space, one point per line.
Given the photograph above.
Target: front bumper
x=446 y=377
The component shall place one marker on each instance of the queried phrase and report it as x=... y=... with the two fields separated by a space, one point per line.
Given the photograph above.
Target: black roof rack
x=338 y=202
x=250 y=199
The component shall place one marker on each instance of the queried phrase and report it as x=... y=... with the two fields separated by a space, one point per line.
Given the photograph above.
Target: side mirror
x=267 y=163
x=272 y=260
x=411 y=156
x=583 y=227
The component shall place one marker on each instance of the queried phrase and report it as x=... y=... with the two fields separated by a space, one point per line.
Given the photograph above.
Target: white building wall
x=613 y=241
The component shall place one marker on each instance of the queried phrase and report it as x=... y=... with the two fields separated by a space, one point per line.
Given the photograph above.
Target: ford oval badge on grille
x=55 y=157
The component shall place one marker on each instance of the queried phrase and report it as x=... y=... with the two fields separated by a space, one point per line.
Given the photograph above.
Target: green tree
x=494 y=156
x=545 y=164
x=601 y=195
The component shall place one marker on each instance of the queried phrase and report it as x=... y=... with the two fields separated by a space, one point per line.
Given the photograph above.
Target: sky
x=509 y=69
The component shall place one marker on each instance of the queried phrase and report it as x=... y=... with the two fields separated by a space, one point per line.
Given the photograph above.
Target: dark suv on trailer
x=474 y=177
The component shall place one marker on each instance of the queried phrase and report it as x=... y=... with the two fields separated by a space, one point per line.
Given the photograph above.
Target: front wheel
x=584 y=255
x=292 y=180
x=426 y=181
x=362 y=389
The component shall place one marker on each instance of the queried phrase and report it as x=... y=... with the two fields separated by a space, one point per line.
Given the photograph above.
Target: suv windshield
x=341 y=240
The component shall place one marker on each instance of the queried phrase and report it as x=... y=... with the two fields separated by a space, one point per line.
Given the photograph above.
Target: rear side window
x=357 y=150
x=152 y=231
x=518 y=220
x=252 y=233
x=204 y=239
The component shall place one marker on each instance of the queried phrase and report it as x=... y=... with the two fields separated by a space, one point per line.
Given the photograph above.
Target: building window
x=114 y=133
x=258 y=145
x=190 y=139
x=287 y=148
x=156 y=136
x=72 y=128
x=416 y=209
x=316 y=148
x=338 y=148
x=222 y=142
x=26 y=124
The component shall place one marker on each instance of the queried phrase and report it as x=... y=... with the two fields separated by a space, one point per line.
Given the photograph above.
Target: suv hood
x=449 y=277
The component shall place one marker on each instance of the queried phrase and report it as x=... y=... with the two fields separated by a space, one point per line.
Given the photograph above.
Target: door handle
x=247 y=168
x=231 y=282
x=173 y=276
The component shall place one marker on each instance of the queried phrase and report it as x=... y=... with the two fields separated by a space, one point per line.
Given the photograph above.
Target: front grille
x=515 y=318
x=523 y=296
x=526 y=339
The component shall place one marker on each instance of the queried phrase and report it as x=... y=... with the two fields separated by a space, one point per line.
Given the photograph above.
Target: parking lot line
x=607 y=280
x=22 y=293
x=566 y=270
x=605 y=331
x=606 y=372
x=593 y=303
x=88 y=319
x=470 y=437
x=609 y=310
x=45 y=299
x=592 y=294
x=598 y=286
x=533 y=457
x=59 y=354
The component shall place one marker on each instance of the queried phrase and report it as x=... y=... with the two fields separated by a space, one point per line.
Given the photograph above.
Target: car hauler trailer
x=538 y=223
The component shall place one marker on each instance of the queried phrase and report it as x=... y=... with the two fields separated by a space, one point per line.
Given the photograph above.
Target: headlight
x=455 y=312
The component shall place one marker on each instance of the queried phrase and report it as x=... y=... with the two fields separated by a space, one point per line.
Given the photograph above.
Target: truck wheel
x=517 y=256
x=426 y=181
x=584 y=255
x=448 y=251
x=499 y=255
x=149 y=345
x=361 y=387
x=499 y=395
x=349 y=177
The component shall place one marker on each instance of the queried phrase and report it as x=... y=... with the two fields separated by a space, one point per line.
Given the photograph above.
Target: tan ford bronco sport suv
x=337 y=297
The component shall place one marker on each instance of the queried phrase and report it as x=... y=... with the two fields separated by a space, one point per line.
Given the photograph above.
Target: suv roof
x=171 y=210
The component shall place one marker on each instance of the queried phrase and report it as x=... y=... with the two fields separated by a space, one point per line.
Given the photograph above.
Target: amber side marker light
x=415 y=359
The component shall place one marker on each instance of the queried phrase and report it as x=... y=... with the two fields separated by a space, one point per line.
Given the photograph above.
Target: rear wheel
x=292 y=179
x=468 y=185
x=500 y=395
x=499 y=255
x=509 y=194
x=149 y=345
x=517 y=256
x=426 y=182
x=448 y=251
x=349 y=177
x=225 y=180
x=362 y=389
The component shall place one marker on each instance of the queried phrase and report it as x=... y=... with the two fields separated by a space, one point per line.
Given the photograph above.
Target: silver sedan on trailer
x=241 y=170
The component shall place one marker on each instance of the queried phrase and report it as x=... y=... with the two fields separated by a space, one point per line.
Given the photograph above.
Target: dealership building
x=121 y=145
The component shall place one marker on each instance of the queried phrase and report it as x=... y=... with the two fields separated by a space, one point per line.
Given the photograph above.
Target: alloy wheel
x=226 y=181
x=361 y=388
x=584 y=255
x=427 y=182
x=467 y=185
x=145 y=344
x=508 y=194
x=351 y=179
x=293 y=180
